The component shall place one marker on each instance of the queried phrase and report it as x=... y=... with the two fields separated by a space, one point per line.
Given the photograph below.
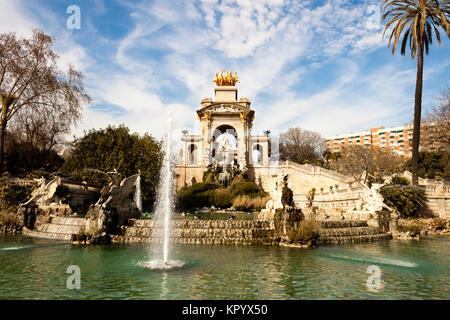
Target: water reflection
x=410 y=270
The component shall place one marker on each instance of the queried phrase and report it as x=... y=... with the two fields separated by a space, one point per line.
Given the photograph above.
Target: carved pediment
x=224 y=107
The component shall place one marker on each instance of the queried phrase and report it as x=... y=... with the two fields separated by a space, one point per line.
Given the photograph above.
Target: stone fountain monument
x=114 y=207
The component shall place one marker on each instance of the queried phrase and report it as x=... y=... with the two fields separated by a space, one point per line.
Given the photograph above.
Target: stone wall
x=202 y=232
x=339 y=201
x=222 y=232
x=438 y=205
x=184 y=174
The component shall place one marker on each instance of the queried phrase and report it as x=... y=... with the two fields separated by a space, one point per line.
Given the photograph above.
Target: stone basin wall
x=335 y=232
x=201 y=232
x=222 y=232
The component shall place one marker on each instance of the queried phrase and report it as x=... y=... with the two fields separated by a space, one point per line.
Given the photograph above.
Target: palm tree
x=419 y=19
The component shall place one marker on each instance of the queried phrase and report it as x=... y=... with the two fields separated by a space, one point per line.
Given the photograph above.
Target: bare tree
x=30 y=79
x=301 y=146
x=361 y=161
x=436 y=127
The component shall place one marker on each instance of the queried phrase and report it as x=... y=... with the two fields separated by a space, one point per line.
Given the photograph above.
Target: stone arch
x=217 y=139
x=219 y=130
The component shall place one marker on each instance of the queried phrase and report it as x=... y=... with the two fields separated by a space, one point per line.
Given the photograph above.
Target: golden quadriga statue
x=225 y=80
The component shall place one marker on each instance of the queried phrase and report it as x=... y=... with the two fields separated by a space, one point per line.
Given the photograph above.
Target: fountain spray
x=164 y=208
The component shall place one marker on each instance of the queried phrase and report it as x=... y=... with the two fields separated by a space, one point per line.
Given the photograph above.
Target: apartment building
x=398 y=139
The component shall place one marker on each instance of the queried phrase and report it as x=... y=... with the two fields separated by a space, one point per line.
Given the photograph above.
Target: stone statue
x=372 y=200
x=116 y=194
x=276 y=194
x=226 y=149
x=44 y=194
x=114 y=207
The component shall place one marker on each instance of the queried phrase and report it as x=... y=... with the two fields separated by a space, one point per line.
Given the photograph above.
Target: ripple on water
x=409 y=271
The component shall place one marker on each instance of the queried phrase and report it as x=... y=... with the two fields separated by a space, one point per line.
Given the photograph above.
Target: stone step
x=341 y=232
x=205 y=224
x=68 y=221
x=181 y=240
x=46 y=235
x=59 y=228
x=343 y=224
x=201 y=233
x=355 y=239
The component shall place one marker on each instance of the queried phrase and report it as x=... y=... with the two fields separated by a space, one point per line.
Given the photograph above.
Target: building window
x=192 y=153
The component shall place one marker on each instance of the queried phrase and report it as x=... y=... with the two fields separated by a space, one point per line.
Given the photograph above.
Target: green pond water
x=36 y=269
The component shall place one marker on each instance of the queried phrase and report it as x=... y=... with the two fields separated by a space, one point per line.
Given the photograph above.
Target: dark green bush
x=196 y=196
x=407 y=200
x=433 y=164
x=287 y=197
x=401 y=181
x=222 y=199
x=13 y=194
x=246 y=188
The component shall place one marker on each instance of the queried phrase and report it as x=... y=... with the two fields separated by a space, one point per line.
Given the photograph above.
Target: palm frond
x=415 y=21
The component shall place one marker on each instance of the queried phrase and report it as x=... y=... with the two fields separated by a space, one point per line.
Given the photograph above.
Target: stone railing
x=438 y=196
x=313 y=170
x=438 y=205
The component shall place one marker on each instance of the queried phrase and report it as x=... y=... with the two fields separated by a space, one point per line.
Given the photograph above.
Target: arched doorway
x=224 y=144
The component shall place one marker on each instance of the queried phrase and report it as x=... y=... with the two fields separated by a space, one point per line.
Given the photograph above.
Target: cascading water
x=163 y=213
x=137 y=195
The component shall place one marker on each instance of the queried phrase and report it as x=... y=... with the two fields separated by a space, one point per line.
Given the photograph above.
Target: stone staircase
x=335 y=232
x=56 y=228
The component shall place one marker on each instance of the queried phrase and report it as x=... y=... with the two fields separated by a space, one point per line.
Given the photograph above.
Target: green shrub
x=13 y=194
x=311 y=196
x=400 y=181
x=196 y=196
x=202 y=187
x=37 y=174
x=407 y=200
x=246 y=188
x=222 y=199
x=432 y=165
x=287 y=197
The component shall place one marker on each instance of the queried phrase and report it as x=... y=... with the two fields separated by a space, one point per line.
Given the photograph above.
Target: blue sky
x=321 y=65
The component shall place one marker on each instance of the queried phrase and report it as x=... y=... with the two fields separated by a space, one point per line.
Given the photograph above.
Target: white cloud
x=273 y=45
x=14 y=19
